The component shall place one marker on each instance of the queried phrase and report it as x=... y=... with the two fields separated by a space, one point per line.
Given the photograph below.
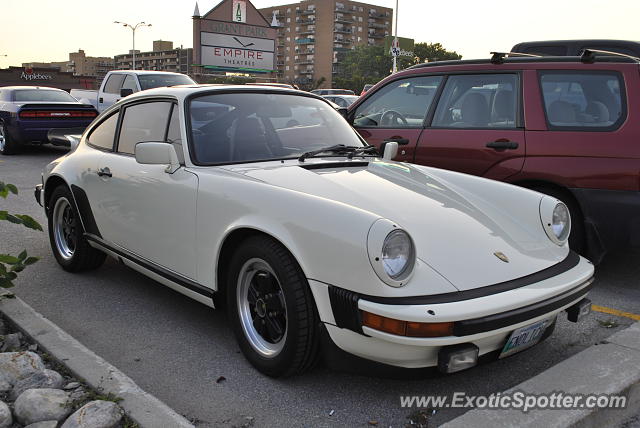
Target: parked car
x=341 y=100
x=576 y=47
x=366 y=88
x=27 y=113
x=277 y=85
x=564 y=126
x=267 y=199
x=332 y=92
x=121 y=83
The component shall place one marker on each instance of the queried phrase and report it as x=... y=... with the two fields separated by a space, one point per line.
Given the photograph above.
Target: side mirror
x=390 y=150
x=158 y=154
x=125 y=92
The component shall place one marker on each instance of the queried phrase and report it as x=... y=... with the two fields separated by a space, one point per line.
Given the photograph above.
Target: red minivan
x=565 y=126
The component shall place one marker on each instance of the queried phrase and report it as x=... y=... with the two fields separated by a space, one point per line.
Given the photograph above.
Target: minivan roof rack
x=498 y=57
x=588 y=55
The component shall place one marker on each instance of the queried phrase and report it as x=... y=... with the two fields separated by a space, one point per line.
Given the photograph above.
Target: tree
x=11 y=265
x=369 y=64
x=430 y=52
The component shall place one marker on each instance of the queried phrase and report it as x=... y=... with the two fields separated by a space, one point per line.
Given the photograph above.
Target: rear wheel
x=577 y=237
x=8 y=146
x=70 y=247
x=271 y=308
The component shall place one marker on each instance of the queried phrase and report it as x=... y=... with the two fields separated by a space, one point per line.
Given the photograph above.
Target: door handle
x=100 y=100
x=400 y=141
x=104 y=172
x=502 y=145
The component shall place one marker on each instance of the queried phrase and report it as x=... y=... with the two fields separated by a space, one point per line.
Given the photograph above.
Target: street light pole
x=395 y=57
x=133 y=30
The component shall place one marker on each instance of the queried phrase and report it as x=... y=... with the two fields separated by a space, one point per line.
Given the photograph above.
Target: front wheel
x=271 y=308
x=70 y=247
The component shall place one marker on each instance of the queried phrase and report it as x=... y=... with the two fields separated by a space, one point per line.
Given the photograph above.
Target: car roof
x=43 y=88
x=183 y=91
x=524 y=60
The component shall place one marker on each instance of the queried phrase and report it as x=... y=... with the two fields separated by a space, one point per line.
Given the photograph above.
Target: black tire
x=70 y=247
x=299 y=343
x=8 y=146
x=577 y=237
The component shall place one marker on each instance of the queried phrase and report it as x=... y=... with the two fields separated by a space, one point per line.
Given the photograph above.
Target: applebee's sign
x=28 y=74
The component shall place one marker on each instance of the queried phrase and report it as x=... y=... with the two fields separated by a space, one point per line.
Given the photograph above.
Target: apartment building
x=163 y=57
x=311 y=33
x=79 y=64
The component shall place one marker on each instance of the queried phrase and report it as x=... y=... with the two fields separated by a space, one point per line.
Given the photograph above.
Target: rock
x=36 y=405
x=3 y=327
x=78 y=394
x=71 y=385
x=33 y=347
x=11 y=342
x=6 y=420
x=96 y=414
x=43 y=424
x=44 y=379
x=5 y=384
x=19 y=365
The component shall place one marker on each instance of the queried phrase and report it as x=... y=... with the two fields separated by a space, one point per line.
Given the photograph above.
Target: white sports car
x=266 y=199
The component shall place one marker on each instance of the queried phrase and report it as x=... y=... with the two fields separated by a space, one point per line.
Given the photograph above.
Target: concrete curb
x=142 y=407
x=612 y=367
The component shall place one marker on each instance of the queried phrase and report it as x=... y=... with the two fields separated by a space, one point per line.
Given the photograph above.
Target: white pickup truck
x=119 y=84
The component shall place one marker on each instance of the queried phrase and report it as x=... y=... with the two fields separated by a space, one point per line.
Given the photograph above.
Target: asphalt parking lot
x=179 y=350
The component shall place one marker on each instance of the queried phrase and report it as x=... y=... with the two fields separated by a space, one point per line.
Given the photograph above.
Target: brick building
x=163 y=57
x=312 y=32
x=79 y=64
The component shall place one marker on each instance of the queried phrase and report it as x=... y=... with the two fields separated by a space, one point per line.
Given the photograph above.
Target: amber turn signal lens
x=406 y=328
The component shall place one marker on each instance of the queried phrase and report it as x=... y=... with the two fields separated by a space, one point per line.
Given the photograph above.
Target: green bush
x=11 y=265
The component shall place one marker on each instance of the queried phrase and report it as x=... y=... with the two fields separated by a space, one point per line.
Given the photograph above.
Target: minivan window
x=478 y=101
x=582 y=100
x=402 y=103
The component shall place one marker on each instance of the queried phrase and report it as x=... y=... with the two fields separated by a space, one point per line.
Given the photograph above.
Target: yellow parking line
x=606 y=310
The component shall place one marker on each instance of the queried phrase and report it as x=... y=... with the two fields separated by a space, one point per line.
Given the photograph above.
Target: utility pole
x=133 y=30
x=395 y=57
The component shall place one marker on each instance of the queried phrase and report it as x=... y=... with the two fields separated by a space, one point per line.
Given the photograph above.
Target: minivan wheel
x=577 y=237
x=271 y=308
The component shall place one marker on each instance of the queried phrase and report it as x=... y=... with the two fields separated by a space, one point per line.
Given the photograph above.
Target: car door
x=146 y=210
x=477 y=127
x=396 y=112
x=111 y=92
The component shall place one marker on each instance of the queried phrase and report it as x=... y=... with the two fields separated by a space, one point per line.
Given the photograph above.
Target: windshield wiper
x=364 y=149
x=338 y=148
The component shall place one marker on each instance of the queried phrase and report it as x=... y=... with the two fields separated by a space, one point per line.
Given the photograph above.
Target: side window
x=400 y=104
x=113 y=84
x=103 y=135
x=142 y=123
x=341 y=102
x=478 y=101
x=173 y=133
x=583 y=100
x=129 y=83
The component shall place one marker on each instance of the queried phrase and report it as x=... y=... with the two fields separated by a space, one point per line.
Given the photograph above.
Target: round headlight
x=561 y=222
x=397 y=254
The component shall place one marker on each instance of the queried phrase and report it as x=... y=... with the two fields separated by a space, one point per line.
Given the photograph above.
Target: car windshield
x=148 y=81
x=42 y=95
x=245 y=127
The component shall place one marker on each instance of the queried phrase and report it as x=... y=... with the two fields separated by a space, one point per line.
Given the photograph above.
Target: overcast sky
x=47 y=30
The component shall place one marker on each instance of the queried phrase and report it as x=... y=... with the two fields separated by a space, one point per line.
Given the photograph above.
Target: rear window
x=583 y=100
x=27 y=95
x=148 y=81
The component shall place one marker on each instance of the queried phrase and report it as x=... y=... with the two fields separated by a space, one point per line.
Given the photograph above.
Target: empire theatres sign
x=234 y=37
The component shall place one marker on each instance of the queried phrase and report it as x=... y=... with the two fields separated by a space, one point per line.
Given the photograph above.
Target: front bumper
x=485 y=322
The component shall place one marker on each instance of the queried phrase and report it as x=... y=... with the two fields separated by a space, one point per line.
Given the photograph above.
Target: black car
x=576 y=47
x=27 y=113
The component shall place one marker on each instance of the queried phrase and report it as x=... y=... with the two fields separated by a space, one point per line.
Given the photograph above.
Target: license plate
x=524 y=337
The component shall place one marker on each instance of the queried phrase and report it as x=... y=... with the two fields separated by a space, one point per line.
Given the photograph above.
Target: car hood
x=456 y=232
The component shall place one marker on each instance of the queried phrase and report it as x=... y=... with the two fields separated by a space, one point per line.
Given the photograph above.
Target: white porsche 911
x=268 y=197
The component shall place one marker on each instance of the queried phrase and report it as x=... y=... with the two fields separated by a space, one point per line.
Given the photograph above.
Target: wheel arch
x=537 y=184
x=230 y=243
